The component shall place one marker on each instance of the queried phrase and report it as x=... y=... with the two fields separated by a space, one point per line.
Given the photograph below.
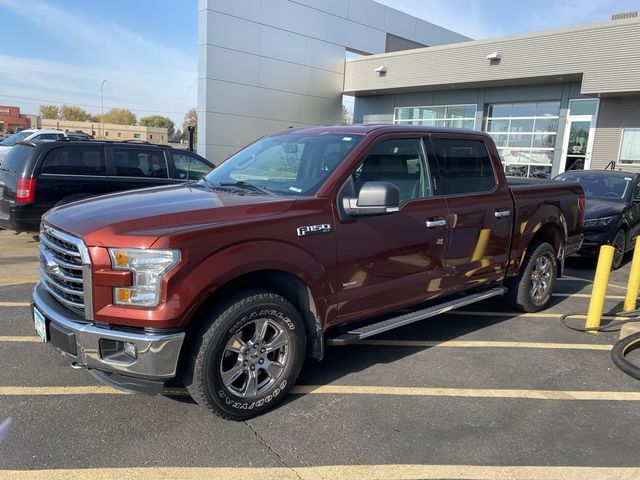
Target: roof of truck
x=357 y=129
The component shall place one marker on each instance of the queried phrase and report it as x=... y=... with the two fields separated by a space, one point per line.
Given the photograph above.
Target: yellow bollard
x=600 y=282
x=634 y=280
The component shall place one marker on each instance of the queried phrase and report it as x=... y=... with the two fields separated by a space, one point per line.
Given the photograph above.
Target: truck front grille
x=63 y=261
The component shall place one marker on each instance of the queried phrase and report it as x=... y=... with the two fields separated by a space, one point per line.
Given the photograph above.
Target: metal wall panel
x=606 y=56
x=613 y=116
x=264 y=65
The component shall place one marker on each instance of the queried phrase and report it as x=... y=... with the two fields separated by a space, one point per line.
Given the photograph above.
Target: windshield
x=288 y=164
x=613 y=187
x=15 y=138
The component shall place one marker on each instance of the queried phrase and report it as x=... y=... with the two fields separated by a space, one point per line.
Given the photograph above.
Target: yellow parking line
x=333 y=472
x=14 y=304
x=466 y=392
x=483 y=344
x=363 y=390
x=415 y=343
x=467 y=313
x=36 y=391
x=20 y=338
x=585 y=295
x=14 y=280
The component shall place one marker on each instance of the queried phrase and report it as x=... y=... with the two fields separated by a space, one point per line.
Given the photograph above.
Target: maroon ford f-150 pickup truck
x=305 y=238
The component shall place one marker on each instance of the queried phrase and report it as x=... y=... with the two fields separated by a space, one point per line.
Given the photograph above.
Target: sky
x=60 y=51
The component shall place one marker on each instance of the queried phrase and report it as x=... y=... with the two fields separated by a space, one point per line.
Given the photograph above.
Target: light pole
x=102 y=105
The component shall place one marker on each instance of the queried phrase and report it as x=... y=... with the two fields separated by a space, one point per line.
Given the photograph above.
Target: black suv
x=36 y=176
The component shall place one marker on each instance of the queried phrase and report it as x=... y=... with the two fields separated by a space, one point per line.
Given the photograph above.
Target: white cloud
x=143 y=75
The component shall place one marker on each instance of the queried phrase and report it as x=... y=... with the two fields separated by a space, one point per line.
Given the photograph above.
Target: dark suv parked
x=35 y=177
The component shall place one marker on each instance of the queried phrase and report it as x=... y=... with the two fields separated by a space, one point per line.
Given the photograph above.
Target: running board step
x=401 y=320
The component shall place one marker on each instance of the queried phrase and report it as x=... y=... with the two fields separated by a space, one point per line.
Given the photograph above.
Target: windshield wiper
x=247 y=185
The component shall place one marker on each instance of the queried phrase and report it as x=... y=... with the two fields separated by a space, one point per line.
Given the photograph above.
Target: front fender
x=244 y=258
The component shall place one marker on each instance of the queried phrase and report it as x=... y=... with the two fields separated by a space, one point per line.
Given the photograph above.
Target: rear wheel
x=531 y=290
x=247 y=355
x=620 y=244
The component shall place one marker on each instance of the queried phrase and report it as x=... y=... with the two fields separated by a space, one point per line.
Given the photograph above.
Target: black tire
x=620 y=349
x=215 y=351
x=619 y=242
x=520 y=290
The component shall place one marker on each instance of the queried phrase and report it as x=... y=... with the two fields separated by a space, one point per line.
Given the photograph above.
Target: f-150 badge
x=309 y=229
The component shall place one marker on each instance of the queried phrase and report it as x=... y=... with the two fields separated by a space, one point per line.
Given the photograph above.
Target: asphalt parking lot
x=482 y=393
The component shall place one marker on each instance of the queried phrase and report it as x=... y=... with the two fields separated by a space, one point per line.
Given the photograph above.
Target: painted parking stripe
x=333 y=472
x=483 y=344
x=20 y=338
x=585 y=295
x=362 y=390
x=465 y=392
x=467 y=313
x=415 y=343
x=15 y=304
x=15 y=280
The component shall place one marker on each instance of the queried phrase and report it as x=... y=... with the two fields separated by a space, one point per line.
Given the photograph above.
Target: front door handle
x=436 y=222
x=502 y=213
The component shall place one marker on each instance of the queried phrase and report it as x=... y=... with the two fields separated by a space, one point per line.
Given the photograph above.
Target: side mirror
x=375 y=198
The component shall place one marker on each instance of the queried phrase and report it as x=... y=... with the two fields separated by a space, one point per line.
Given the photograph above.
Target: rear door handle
x=502 y=213
x=436 y=222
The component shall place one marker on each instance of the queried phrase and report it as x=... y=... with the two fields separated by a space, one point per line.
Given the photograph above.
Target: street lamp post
x=102 y=105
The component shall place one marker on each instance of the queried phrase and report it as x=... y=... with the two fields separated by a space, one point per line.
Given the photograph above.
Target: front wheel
x=531 y=290
x=620 y=244
x=246 y=356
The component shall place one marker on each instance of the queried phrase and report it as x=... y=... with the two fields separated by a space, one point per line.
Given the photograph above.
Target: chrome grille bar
x=65 y=269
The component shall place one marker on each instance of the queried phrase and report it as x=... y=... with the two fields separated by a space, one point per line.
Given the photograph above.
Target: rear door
x=397 y=259
x=481 y=210
x=132 y=166
x=70 y=171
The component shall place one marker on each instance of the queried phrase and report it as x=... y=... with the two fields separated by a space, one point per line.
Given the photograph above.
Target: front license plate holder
x=40 y=323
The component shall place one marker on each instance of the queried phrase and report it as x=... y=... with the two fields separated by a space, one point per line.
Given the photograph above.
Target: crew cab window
x=189 y=168
x=464 y=165
x=75 y=161
x=140 y=163
x=399 y=161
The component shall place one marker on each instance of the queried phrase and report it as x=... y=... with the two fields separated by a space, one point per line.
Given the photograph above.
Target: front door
x=579 y=132
x=396 y=259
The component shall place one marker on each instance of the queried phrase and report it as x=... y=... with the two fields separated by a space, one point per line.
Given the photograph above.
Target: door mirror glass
x=375 y=198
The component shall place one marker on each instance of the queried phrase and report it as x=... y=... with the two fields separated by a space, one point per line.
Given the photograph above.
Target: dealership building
x=552 y=100
x=12 y=121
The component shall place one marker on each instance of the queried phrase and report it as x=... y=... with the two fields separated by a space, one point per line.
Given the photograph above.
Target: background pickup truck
x=305 y=238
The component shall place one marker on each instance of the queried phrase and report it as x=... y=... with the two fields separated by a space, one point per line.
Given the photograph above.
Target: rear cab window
x=138 y=162
x=464 y=166
x=74 y=161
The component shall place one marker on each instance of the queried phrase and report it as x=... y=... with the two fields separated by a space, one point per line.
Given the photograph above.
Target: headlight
x=148 y=268
x=598 y=222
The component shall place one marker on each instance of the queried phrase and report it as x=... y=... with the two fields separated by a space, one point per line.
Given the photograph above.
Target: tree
x=49 y=112
x=190 y=118
x=158 y=121
x=347 y=117
x=73 y=113
x=120 y=116
x=177 y=137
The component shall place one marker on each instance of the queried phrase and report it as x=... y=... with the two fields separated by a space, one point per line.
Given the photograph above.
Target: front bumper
x=593 y=240
x=87 y=345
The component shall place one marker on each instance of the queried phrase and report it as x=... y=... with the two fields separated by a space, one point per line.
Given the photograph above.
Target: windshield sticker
x=628 y=179
x=295 y=189
x=347 y=139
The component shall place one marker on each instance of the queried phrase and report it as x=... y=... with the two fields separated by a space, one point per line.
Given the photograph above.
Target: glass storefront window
x=451 y=116
x=583 y=107
x=528 y=131
x=630 y=146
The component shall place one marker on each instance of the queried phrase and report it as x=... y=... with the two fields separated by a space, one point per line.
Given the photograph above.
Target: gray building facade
x=265 y=65
x=552 y=101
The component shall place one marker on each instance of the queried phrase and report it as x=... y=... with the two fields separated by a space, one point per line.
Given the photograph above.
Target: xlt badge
x=309 y=229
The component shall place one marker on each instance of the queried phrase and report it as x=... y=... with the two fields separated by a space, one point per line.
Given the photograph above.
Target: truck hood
x=139 y=217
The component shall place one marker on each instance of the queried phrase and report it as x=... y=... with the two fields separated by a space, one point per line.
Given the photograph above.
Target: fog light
x=130 y=350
